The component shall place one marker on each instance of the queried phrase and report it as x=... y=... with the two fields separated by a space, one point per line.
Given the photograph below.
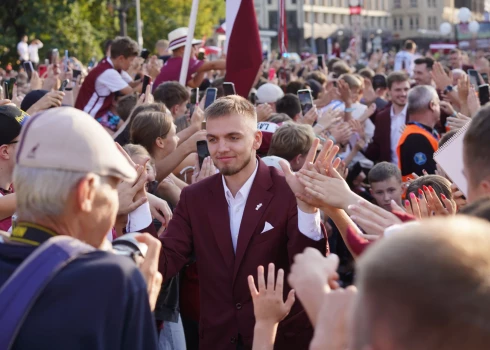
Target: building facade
x=392 y=21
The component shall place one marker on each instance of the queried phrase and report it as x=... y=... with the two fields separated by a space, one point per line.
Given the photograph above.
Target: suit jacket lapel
x=257 y=203
x=220 y=221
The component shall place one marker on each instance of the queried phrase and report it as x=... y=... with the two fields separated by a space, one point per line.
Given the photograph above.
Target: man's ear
x=485 y=187
x=297 y=117
x=296 y=159
x=257 y=140
x=4 y=153
x=86 y=191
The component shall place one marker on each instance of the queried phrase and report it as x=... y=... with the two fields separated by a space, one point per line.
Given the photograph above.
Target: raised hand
x=312 y=276
x=440 y=77
x=269 y=305
x=160 y=210
x=473 y=102
x=208 y=169
x=368 y=113
x=329 y=118
x=197 y=117
x=310 y=117
x=264 y=111
x=341 y=132
x=324 y=159
x=372 y=219
x=456 y=123
x=428 y=204
x=51 y=99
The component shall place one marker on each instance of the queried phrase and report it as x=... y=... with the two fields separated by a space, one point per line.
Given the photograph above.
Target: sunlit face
x=456 y=60
x=399 y=93
x=232 y=142
x=179 y=110
x=124 y=63
x=171 y=141
x=356 y=94
x=386 y=191
x=421 y=74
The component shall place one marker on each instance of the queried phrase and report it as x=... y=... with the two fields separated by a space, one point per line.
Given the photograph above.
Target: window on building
x=429 y=3
x=318 y=18
x=334 y=19
x=400 y=23
x=386 y=23
x=397 y=4
x=395 y=23
x=269 y=2
x=429 y=23
x=273 y=19
x=417 y=23
x=411 y=23
x=413 y=3
x=291 y=19
x=293 y=2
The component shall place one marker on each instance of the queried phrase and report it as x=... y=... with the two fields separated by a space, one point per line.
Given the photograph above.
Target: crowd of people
x=309 y=214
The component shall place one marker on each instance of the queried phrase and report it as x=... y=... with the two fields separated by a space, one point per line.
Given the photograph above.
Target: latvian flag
x=244 y=52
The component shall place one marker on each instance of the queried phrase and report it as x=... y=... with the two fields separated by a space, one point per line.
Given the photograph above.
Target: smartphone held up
x=306 y=100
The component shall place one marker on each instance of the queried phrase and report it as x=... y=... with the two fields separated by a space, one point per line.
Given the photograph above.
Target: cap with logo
x=66 y=138
x=11 y=121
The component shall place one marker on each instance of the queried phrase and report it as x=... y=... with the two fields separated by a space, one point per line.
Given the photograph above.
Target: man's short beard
x=230 y=171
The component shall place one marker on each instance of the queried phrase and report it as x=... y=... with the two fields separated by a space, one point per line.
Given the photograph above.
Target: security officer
x=419 y=140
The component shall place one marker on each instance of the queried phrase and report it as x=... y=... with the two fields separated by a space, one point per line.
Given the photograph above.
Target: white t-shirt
x=108 y=82
x=404 y=57
x=34 y=52
x=23 y=51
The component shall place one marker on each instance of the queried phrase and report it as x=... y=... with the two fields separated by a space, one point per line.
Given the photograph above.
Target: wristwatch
x=448 y=88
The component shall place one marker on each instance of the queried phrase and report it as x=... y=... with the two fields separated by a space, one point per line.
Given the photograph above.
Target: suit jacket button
x=238 y=306
x=233 y=340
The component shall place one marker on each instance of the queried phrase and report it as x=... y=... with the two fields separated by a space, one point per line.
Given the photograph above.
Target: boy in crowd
x=386 y=184
x=108 y=77
x=292 y=143
x=174 y=96
x=289 y=104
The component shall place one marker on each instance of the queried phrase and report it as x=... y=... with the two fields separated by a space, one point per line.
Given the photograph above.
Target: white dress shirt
x=397 y=122
x=23 y=50
x=308 y=224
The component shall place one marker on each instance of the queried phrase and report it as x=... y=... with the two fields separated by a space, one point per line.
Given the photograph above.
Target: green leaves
x=81 y=26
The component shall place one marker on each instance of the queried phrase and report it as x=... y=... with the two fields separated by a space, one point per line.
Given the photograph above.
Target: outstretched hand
x=269 y=305
x=324 y=160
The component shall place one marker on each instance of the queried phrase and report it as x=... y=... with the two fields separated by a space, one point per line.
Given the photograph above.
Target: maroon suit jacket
x=201 y=225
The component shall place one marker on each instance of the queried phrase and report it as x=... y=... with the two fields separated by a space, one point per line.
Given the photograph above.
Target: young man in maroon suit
x=233 y=222
x=389 y=121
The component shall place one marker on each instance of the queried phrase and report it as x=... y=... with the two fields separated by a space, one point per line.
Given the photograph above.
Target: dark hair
x=445 y=138
x=294 y=86
x=440 y=184
x=476 y=146
x=429 y=62
x=396 y=77
x=384 y=171
x=182 y=123
x=157 y=107
x=410 y=45
x=289 y=104
x=125 y=105
x=218 y=84
x=148 y=126
x=124 y=46
x=171 y=93
x=107 y=44
x=458 y=51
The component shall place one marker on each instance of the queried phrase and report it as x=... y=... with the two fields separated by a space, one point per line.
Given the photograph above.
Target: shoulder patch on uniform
x=420 y=158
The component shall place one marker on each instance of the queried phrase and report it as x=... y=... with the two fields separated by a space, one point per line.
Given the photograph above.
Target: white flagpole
x=188 y=43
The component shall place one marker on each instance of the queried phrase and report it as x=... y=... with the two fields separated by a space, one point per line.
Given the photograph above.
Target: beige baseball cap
x=66 y=138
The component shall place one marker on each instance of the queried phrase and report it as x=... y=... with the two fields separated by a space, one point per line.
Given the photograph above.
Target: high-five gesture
x=326 y=156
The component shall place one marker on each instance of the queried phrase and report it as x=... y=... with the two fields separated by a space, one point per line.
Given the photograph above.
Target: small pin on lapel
x=258 y=206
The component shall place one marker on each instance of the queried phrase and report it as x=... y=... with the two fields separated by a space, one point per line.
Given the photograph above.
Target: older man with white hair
x=419 y=140
x=66 y=177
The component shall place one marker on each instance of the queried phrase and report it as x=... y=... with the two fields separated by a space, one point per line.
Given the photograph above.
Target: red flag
x=282 y=30
x=244 y=53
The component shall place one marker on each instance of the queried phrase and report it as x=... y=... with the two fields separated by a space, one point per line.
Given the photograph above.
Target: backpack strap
x=22 y=289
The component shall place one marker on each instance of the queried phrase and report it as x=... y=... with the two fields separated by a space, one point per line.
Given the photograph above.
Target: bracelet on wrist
x=349 y=110
x=331 y=137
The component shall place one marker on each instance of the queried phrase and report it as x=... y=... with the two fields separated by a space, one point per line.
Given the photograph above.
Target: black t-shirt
x=416 y=154
x=98 y=301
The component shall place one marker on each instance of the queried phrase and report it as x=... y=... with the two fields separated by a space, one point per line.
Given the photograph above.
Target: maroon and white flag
x=244 y=52
x=282 y=30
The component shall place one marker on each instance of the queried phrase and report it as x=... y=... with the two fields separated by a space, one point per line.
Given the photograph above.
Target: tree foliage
x=78 y=26
x=81 y=26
